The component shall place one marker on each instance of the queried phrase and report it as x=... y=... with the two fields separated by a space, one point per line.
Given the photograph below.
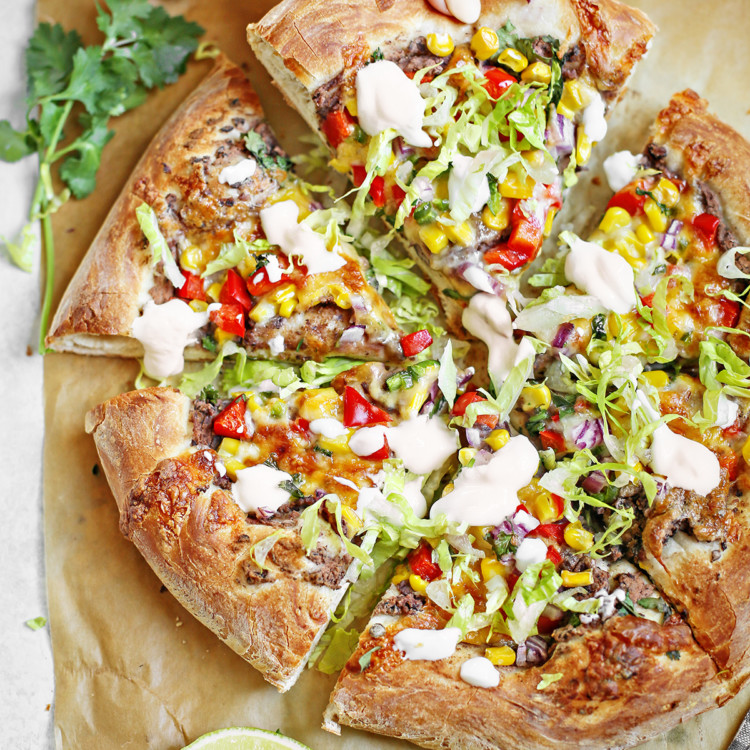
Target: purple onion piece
x=401 y=147
x=564 y=332
x=522 y=527
x=465 y=377
x=588 y=434
x=506 y=527
x=536 y=650
x=669 y=240
x=430 y=402
x=675 y=227
x=594 y=483
x=473 y=437
x=352 y=334
x=521 y=654
x=560 y=135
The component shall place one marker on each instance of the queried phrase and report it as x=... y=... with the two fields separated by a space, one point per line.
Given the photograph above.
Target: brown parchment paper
x=132 y=668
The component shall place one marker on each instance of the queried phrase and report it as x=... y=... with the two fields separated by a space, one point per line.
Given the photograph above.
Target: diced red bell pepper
x=421 y=563
x=628 y=199
x=230 y=318
x=707 y=224
x=730 y=463
x=554 y=531
x=359 y=412
x=554 y=440
x=546 y=625
x=398 y=194
x=192 y=288
x=381 y=454
x=498 y=82
x=337 y=127
x=559 y=503
x=521 y=507
x=359 y=173
x=377 y=191
x=488 y=420
x=414 y=343
x=523 y=244
x=231 y=421
x=300 y=426
x=259 y=283
x=648 y=300
x=234 y=292
x=507 y=258
x=553 y=555
x=730 y=312
x=470 y=397
x=512 y=580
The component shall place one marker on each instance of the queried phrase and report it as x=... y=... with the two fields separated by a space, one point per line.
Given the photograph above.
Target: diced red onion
x=401 y=147
x=669 y=240
x=560 y=135
x=594 y=483
x=536 y=650
x=473 y=437
x=352 y=334
x=522 y=525
x=430 y=401
x=521 y=654
x=424 y=187
x=564 y=332
x=588 y=434
x=464 y=378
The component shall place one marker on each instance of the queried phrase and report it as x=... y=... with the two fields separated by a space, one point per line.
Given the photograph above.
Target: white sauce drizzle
x=388 y=98
x=422 y=443
x=427 y=645
x=480 y=672
x=594 y=124
x=604 y=275
x=726 y=412
x=366 y=440
x=486 y=495
x=685 y=463
x=466 y=11
x=273 y=269
x=530 y=552
x=328 y=427
x=620 y=169
x=258 y=487
x=479 y=279
x=347 y=483
x=281 y=228
x=239 y=172
x=165 y=330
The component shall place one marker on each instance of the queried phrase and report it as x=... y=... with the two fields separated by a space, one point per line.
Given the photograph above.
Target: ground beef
x=724 y=236
x=330 y=568
x=656 y=158
x=224 y=482
x=327 y=98
x=417 y=56
x=542 y=48
x=255 y=575
x=406 y=602
x=203 y=418
x=637 y=586
x=288 y=514
x=573 y=63
x=162 y=291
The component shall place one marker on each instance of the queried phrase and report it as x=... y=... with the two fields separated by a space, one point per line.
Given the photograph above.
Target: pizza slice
x=258 y=502
x=214 y=239
x=462 y=136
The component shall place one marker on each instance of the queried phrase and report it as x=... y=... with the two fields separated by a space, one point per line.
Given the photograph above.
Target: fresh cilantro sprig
x=143 y=48
x=268 y=160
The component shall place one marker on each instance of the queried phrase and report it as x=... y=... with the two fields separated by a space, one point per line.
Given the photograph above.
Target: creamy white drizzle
x=422 y=443
x=165 y=330
x=366 y=440
x=486 y=495
x=620 y=169
x=273 y=269
x=328 y=427
x=479 y=671
x=604 y=275
x=530 y=552
x=427 y=645
x=388 y=98
x=607 y=605
x=683 y=462
x=258 y=487
x=276 y=345
x=280 y=225
x=479 y=279
x=466 y=11
x=239 y=172
x=594 y=123
x=726 y=412
x=346 y=483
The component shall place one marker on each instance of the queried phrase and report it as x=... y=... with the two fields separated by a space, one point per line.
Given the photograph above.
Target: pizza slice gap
x=252 y=501
x=215 y=240
x=461 y=136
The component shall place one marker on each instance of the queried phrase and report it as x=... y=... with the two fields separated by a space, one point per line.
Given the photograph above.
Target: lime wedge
x=244 y=738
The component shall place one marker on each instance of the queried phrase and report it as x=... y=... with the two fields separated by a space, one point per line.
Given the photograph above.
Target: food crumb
x=29 y=351
x=178 y=622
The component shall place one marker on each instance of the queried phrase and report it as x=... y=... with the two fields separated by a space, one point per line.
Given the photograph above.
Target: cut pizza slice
x=213 y=239
x=460 y=135
x=254 y=509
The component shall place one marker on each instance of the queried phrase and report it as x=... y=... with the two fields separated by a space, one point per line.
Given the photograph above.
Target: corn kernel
x=262 y=312
x=485 y=43
x=466 y=456
x=320 y=403
x=335 y=445
x=548 y=221
x=638 y=466
x=644 y=234
x=497 y=439
x=571 y=580
x=501 y=656
x=417 y=401
x=417 y=583
x=282 y=293
x=657 y=378
x=498 y=221
x=491 y=568
x=352 y=520
x=434 y=237
x=614 y=218
x=577 y=537
x=583 y=147
x=543 y=507
x=535 y=397
x=513 y=59
x=214 y=291
x=400 y=574
x=232 y=466
x=229 y=446
x=537 y=72
x=222 y=337
x=351 y=105
x=667 y=192
x=440 y=44
x=252 y=400
x=287 y=307
x=746 y=451
x=517 y=185
x=462 y=234
x=191 y=259
x=571 y=100
x=656 y=218
x=198 y=305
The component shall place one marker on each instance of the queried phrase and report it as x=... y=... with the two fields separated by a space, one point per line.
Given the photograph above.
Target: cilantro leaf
x=258 y=148
x=14 y=144
x=366 y=658
x=49 y=60
x=79 y=172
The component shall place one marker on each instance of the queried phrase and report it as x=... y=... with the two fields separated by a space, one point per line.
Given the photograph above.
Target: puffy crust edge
x=197 y=550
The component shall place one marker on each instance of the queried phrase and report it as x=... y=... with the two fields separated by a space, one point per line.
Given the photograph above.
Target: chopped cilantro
x=258 y=148
x=210 y=394
x=507 y=37
x=599 y=327
x=324 y=451
x=366 y=658
x=359 y=135
x=626 y=606
x=664 y=209
x=270 y=461
x=503 y=544
x=537 y=421
x=565 y=403
x=376 y=55
x=300 y=343
x=261 y=261
x=673 y=655
x=209 y=343
x=292 y=486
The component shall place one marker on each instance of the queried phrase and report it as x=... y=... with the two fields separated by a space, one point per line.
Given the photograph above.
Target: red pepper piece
x=421 y=563
x=359 y=174
x=488 y=420
x=707 y=224
x=337 y=127
x=230 y=318
x=628 y=199
x=521 y=507
x=231 y=422
x=554 y=531
x=545 y=625
x=729 y=312
x=234 y=291
x=512 y=580
x=414 y=343
x=258 y=284
x=559 y=503
x=648 y=300
x=381 y=454
x=398 y=194
x=730 y=463
x=554 y=556
x=377 y=191
x=507 y=258
x=523 y=244
x=554 y=440
x=359 y=412
x=470 y=397
x=498 y=82
x=192 y=288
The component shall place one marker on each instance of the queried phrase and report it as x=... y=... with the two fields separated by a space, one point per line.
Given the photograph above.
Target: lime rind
x=244 y=738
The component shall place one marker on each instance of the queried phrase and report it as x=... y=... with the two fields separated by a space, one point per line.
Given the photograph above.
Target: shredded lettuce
x=259 y=551
x=394 y=274
x=732 y=380
x=149 y=225
x=533 y=591
x=338 y=650
x=192 y=383
x=552 y=273
x=231 y=254
x=315 y=374
x=548 y=679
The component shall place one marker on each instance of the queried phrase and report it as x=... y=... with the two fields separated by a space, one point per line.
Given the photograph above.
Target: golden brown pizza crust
x=200 y=543
x=618 y=687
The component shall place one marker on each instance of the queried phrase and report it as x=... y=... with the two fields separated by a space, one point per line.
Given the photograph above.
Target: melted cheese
x=239 y=172
x=480 y=672
x=486 y=495
x=281 y=228
x=422 y=443
x=427 y=645
x=258 y=487
x=604 y=275
x=388 y=98
x=594 y=123
x=165 y=330
x=620 y=169
x=685 y=463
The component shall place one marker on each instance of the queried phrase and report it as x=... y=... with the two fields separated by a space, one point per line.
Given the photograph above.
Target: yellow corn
x=543 y=507
x=746 y=451
x=513 y=59
x=571 y=100
x=498 y=221
x=485 y=43
x=630 y=249
x=491 y=568
x=320 y=403
x=517 y=185
x=571 y=580
x=198 y=305
x=462 y=234
x=214 y=291
x=232 y=466
x=614 y=218
x=400 y=574
x=351 y=105
x=293 y=194
x=282 y=293
x=229 y=447
x=417 y=401
x=222 y=337
x=535 y=397
x=440 y=44
x=497 y=439
x=577 y=537
x=657 y=378
x=537 y=72
x=262 y=312
x=534 y=156
x=466 y=456
x=335 y=445
x=583 y=147
x=252 y=400
x=656 y=218
x=191 y=259
x=287 y=307
x=501 y=656
x=352 y=520
x=434 y=237
x=548 y=221
x=644 y=234
x=667 y=192
x=417 y=583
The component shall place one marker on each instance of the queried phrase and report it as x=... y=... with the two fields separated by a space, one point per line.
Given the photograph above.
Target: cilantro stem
x=49 y=274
